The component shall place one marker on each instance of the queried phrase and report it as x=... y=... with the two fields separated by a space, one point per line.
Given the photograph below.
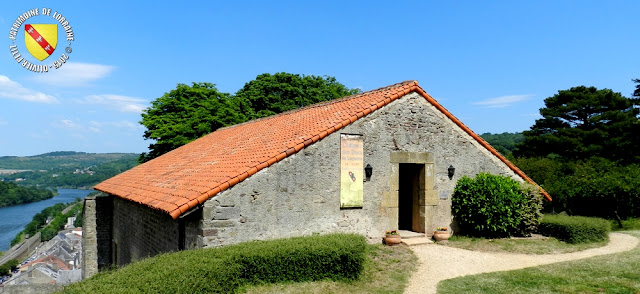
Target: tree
x=187 y=113
x=636 y=93
x=190 y=112
x=583 y=122
x=270 y=94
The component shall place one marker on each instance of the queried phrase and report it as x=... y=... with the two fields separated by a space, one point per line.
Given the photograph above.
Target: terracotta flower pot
x=392 y=240
x=441 y=235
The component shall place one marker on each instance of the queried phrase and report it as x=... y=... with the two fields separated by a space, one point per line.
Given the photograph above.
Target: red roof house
x=298 y=173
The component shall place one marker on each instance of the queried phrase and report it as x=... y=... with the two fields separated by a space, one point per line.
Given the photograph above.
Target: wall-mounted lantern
x=452 y=171
x=368 y=170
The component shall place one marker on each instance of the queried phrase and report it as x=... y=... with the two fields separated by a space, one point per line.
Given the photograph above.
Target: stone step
x=417 y=241
x=409 y=234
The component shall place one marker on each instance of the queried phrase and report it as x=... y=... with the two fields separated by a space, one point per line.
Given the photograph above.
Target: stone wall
x=89 y=238
x=30 y=289
x=97 y=221
x=139 y=231
x=300 y=195
x=104 y=230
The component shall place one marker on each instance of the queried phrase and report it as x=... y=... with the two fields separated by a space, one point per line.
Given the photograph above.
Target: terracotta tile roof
x=185 y=177
x=51 y=260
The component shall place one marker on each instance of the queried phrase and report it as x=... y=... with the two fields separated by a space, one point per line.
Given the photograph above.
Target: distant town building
x=57 y=261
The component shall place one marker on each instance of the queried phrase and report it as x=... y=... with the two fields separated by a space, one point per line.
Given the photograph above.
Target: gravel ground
x=461 y=262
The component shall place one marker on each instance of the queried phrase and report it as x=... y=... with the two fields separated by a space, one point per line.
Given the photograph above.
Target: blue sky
x=491 y=63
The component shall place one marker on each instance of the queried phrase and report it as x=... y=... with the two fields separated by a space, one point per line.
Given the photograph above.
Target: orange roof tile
x=187 y=176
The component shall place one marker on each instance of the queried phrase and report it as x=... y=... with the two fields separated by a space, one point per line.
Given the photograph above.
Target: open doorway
x=409 y=216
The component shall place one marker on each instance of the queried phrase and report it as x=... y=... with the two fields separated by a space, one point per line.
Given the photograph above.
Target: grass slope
x=525 y=246
x=614 y=273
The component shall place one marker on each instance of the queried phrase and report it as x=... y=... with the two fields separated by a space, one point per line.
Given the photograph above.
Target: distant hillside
x=505 y=143
x=60 y=159
x=65 y=169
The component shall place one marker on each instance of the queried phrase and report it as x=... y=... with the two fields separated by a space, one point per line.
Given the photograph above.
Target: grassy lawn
x=525 y=246
x=387 y=270
x=627 y=225
x=614 y=273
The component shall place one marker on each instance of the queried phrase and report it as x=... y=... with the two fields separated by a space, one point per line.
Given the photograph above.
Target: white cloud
x=13 y=90
x=120 y=103
x=75 y=74
x=126 y=125
x=66 y=124
x=503 y=101
x=123 y=124
x=93 y=126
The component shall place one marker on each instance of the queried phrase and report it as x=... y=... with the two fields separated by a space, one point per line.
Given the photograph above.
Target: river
x=13 y=219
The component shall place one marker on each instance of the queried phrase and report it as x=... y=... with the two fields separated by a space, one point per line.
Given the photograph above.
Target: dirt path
x=461 y=262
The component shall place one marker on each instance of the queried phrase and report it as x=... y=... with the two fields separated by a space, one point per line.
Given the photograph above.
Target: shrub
x=495 y=206
x=224 y=270
x=531 y=211
x=575 y=229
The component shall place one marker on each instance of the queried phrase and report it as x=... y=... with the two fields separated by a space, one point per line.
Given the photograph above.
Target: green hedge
x=335 y=257
x=226 y=269
x=575 y=229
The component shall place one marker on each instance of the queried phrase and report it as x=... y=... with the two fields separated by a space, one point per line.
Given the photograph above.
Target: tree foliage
x=12 y=194
x=583 y=122
x=271 y=94
x=593 y=187
x=187 y=113
x=55 y=216
x=7 y=267
x=636 y=93
x=505 y=143
x=190 y=112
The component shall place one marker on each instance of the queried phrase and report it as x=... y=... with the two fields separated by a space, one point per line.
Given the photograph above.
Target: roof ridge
x=321 y=104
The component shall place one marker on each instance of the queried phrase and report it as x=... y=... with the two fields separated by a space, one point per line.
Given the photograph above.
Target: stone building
x=296 y=173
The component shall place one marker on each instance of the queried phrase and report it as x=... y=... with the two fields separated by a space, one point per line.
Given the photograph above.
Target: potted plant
x=441 y=234
x=392 y=238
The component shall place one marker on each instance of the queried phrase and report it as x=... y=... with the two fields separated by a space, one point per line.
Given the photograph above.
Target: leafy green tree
x=270 y=94
x=636 y=93
x=7 y=267
x=583 y=122
x=190 y=112
x=187 y=113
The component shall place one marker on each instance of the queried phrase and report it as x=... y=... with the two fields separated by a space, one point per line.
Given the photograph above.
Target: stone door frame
x=428 y=197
